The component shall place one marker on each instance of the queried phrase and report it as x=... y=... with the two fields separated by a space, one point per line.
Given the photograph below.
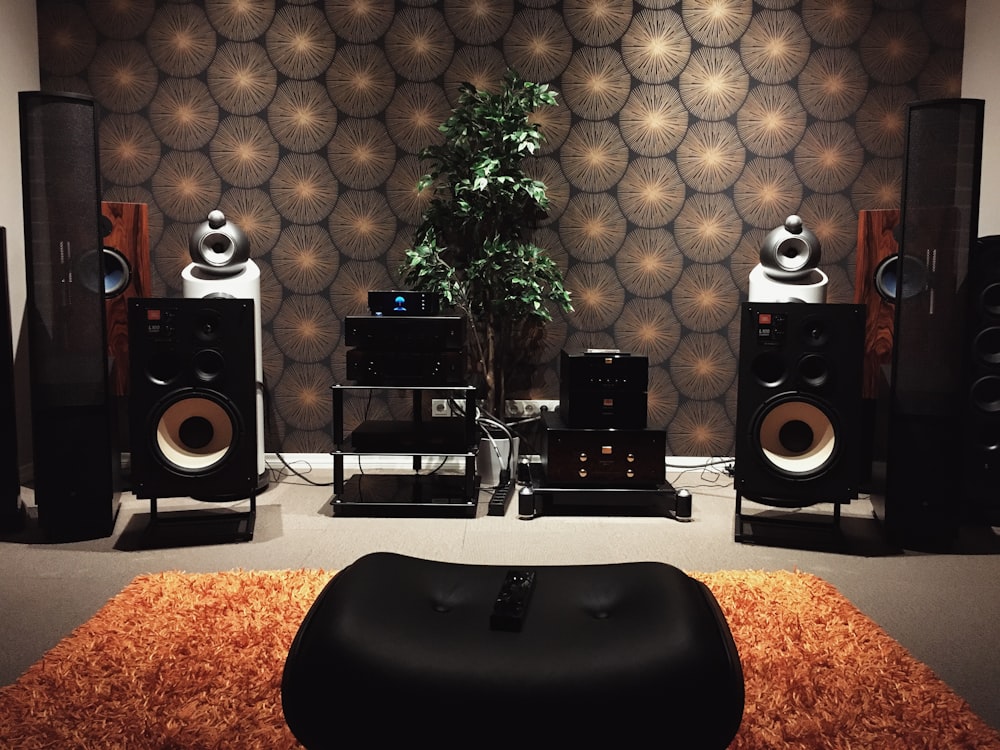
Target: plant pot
x=495 y=454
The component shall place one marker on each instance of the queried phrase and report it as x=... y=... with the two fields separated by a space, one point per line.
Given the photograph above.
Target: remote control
x=511 y=603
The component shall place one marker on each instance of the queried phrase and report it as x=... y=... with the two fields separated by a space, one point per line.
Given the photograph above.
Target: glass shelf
x=415 y=493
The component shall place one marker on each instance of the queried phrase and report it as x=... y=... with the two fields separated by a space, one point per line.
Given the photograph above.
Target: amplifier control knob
x=583 y=473
x=583 y=458
x=630 y=458
x=630 y=473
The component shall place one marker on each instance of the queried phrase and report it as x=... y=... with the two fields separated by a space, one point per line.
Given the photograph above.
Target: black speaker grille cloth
x=63 y=231
x=939 y=211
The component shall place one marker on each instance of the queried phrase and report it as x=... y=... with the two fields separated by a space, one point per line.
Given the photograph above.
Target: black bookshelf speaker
x=799 y=406
x=11 y=508
x=981 y=452
x=921 y=504
x=192 y=406
x=74 y=451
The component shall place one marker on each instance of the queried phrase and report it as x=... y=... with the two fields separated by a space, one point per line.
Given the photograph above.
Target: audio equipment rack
x=415 y=493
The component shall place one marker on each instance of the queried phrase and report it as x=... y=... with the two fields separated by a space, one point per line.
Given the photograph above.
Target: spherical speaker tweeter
x=790 y=251
x=218 y=245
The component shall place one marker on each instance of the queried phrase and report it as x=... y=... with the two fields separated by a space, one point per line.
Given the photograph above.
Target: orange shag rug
x=193 y=661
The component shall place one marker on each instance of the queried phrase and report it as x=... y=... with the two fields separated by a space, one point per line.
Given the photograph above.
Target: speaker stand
x=771 y=527
x=817 y=532
x=14 y=519
x=243 y=522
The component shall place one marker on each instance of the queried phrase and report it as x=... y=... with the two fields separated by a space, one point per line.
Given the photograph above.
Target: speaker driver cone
x=989 y=299
x=195 y=433
x=797 y=438
x=986 y=394
x=108 y=272
x=117 y=272
x=900 y=277
x=986 y=345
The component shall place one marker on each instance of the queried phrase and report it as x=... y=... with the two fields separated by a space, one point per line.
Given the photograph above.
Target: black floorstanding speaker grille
x=193 y=398
x=927 y=416
x=799 y=408
x=74 y=451
x=981 y=456
x=11 y=508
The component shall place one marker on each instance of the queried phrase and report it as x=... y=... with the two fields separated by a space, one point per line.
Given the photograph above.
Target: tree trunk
x=501 y=362
x=489 y=364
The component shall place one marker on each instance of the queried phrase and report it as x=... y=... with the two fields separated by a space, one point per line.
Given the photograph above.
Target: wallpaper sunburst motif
x=685 y=131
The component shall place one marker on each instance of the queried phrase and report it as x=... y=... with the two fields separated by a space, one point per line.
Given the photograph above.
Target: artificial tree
x=473 y=246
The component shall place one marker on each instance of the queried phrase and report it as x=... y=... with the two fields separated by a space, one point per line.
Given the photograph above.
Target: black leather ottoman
x=398 y=648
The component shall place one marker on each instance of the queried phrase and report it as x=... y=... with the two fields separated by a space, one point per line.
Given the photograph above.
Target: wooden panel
x=128 y=235
x=876 y=241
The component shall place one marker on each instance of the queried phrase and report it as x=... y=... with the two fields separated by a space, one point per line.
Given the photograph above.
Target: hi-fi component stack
x=597 y=450
x=404 y=345
x=404 y=342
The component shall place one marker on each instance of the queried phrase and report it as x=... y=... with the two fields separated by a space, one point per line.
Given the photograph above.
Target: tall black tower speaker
x=73 y=447
x=926 y=409
x=981 y=437
x=192 y=400
x=11 y=508
x=799 y=405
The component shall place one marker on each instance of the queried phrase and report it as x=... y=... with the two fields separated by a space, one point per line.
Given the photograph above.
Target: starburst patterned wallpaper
x=685 y=131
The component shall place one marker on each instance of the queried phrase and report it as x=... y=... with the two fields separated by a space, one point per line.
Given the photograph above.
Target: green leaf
x=472 y=246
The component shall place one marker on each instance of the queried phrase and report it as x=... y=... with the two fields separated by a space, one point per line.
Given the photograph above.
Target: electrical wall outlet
x=528 y=408
x=446 y=407
x=516 y=408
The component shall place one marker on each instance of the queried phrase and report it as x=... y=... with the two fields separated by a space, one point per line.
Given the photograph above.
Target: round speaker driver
x=797 y=439
x=195 y=434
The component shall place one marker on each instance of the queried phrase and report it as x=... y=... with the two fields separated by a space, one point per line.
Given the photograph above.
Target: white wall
x=980 y=67
x=18 y=72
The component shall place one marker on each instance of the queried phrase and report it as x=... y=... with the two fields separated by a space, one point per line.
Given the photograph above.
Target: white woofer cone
x=797 y=438
x=194 y=435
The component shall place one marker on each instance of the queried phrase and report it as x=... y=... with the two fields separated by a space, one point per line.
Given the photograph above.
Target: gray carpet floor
x=945 y=608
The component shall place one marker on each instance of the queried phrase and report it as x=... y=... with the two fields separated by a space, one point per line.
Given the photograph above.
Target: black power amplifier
x=410 y=333
x=405 y=368
x=602 y=458
x=603 y=390
x=441 y=435
x=604 y=370
x=603 y=409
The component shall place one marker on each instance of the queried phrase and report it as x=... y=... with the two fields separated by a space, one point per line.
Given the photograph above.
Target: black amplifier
x=405 y=368
x=398 y=302
x=602 y=458
x=604 y=370
x=444 y=435
x=412 y=333
x=603 y=409
x=603 y=389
